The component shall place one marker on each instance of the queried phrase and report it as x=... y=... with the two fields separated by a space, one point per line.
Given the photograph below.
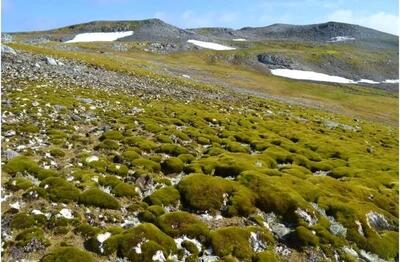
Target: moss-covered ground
x=231 y=69
x=207 y=171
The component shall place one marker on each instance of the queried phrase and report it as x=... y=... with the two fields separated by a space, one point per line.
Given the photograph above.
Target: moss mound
x=59 y=190
x=98 y=198
x=172 y=165
x=177 y=224
x=20 y=164
x=235 y=241
x=140 y=235
x=68 y=254
x=203 y=193
x=164 y=196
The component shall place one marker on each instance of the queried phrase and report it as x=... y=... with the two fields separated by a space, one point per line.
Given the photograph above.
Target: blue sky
x=27 y=15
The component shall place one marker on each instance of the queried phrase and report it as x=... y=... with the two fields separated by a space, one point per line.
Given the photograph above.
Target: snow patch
x=367 y=81
x=239 y=39
x=210 y=45
x=391 y=81
x=102 y=36
x=341 y=39
x=310 y=75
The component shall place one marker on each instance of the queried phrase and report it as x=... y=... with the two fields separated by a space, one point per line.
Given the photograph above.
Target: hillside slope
x=107 y=163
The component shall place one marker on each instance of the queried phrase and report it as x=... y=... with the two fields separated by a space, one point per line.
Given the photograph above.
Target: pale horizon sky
x=28 y=15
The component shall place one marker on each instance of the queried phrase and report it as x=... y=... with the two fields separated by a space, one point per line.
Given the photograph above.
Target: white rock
x=16 y=205
x=138 y=247
x=257 y=244
x=51 y=61
x=370 y=257
x=66 y=213
x=307 y=217
x=37 y=212
x=92 y=158
x=350 y=251
x=378 y=221
x=10 y=133
x=7 y=50
x=159 y=256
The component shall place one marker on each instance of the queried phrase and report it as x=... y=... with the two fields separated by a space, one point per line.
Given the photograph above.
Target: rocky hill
x=157 y=30
x=143 y=30
x=324 y=32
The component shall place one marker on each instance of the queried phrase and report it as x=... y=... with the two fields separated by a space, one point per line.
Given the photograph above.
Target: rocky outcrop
x=275 y=61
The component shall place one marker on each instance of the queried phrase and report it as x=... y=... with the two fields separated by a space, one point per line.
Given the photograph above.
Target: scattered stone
x=101 y=238
x=10 y=133
x=350 y=251
x=76 y=117
x=337 y=228
x=66 y=213
x=256 y=243
x=370 y=257
x=16 y=205
x=159 y=256
x=271 y=223
x=306 y=216
x=86 y=100
x=91 y=159
x=377 y=221
x=7 y=50
x=9 y=154
x=51 y=61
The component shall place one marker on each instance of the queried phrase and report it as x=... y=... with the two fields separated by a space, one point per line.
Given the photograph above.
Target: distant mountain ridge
x=315 y=32
x=158 y=30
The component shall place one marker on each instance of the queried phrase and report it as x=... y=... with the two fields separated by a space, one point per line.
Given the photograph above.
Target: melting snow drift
x=310 y=75
x=392 y=81
x=314 y=76
x=239 y=39
x=210 y=45
x=95 y=37
x=341 y=39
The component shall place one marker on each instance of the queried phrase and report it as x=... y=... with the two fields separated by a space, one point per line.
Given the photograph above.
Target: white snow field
x=99 y=36
x=341 y=39
x=310 y=75
x=367 y=81
x=239 y=39
x=391 y=81
x=210 y=45
x=314 y=76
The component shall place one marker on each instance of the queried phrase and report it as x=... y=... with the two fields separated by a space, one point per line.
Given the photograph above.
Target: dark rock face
x=275 y=61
